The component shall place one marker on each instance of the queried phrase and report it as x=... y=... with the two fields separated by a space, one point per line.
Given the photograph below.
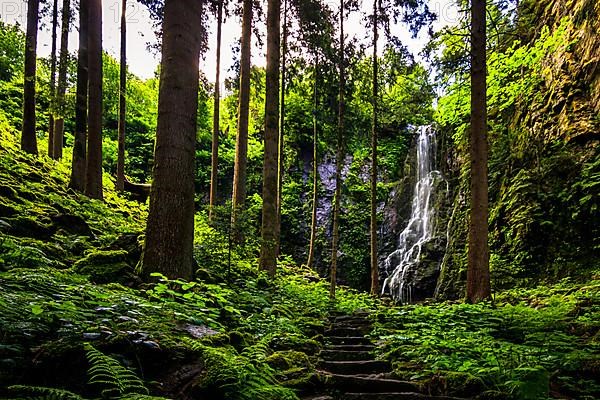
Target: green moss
x=104 y=266
x=461 y=384
x=295 y=342
x=285 y=360
x=39 y=228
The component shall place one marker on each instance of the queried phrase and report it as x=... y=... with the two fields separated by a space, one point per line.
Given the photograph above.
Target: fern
x=108 y=373
x=43 y=393
x=244 y=376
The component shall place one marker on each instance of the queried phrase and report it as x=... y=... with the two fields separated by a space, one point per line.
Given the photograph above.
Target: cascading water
x=400 y=264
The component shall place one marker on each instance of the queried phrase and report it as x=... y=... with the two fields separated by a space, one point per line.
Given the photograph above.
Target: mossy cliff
x=544 y=119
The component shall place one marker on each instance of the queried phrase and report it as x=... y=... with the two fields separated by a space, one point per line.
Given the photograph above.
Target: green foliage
x=244 y=376
x=12 y=43
x=518 y=347
x=43 y=393
x=110 y=376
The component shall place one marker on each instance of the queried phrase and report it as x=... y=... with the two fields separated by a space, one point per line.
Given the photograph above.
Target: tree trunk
x=93 y=181
x=59 y=119
x=80 y=141
x=281 y=159
x=214 y=165
x=170 y=228
x=122 y=99
x=52 y=79
x=313 y=220
x=268 y=251
x=28 y=136
x=241 y=147
x=374 y=264
x=338 y=162
x=478 y=273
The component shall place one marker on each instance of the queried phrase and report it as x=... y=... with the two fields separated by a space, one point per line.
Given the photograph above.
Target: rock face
x=415 y=221
x=544 y=161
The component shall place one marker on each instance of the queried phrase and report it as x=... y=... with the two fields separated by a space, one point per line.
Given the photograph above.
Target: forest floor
x=77 y=322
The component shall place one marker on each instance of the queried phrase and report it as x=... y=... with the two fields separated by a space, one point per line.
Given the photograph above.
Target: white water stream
x=420 y=227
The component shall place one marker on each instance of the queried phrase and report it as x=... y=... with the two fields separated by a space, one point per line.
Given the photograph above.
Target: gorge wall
x=544 y=159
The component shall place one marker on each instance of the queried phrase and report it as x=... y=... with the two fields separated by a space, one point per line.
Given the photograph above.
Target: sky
x=143 y=63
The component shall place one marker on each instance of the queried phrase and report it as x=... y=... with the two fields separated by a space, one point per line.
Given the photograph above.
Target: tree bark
x=122 y=99
x=93 y=182
x=52 y=79
x=214 y=167
x=281 y=158
x=478 y=273
x=80 y=141
x=241 y=148
x=268 y=251
x=170 y=228
x=59 y=118
x=374 y=264
x=338 y=162
x=28 y=135
x=313 y=220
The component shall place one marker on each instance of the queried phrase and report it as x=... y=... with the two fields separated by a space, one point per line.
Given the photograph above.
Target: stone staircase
x=348 y=369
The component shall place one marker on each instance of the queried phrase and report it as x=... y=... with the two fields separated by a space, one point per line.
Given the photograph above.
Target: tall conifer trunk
x=52 y=79
x=478 y=272
x=214 y=164
x=59 y=118
x=338 y=162
x=80 y=141
x=281 y=160
x=241 y=147
x=374 y=265
x=28 y=134
x=268 y=250
x=122 y=99
x=93 y=181
x=170 y=227
x=313 y=219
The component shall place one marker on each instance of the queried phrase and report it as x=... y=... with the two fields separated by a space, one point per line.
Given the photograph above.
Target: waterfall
x=420 y=228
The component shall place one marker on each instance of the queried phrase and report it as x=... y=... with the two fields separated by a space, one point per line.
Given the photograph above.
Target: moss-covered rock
x=73 y=224
x=284 y=360
x=105 y=266
x=456 y=383
x=295 y=342
x=39 y=228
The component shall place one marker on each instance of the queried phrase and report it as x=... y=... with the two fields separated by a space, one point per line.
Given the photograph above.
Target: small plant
x=111 y=377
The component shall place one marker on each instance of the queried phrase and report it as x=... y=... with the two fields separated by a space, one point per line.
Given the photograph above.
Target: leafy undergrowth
x=76 y=322
x=530 y=344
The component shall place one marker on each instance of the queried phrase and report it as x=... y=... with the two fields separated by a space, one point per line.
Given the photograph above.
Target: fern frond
x=113 y=378
x=43 y=393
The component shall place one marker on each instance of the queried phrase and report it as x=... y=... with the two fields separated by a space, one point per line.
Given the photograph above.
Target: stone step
x=346 y=331
x=362 y=384
x=393 y=396
x=351 y=347
x=353 y=340
x=349 y=319
x=336 y=314
x=345 y=355
x=354 y=367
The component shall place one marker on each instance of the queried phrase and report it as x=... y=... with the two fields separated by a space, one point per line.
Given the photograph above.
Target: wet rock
x=7 y=192
x=4 y=226
x=130 y=243
x=7 y=210
x=28 y=227
x=73 y=224
x=197 y=331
